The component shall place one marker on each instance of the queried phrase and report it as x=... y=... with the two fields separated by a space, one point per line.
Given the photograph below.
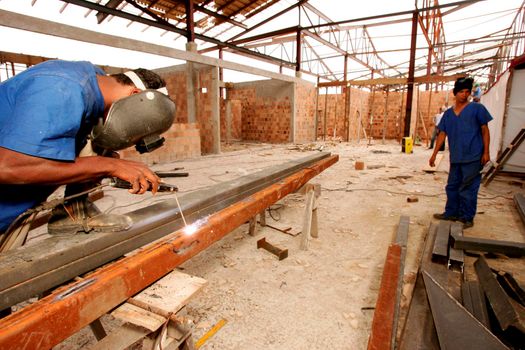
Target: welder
x=59 y=122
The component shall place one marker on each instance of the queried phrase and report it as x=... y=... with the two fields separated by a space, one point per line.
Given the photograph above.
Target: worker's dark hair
x=462 y=83
x=150 y=79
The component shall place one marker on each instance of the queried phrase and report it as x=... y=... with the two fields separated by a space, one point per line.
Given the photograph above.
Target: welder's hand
x=137 y=174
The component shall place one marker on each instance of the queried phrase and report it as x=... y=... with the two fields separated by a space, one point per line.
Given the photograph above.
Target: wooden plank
x=307 y=220
x=138 y=316
x=393 y=81
x=122 y=338
x=171 y=292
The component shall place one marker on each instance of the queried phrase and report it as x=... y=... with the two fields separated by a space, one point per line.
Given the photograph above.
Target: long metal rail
x=34 y=269
x=68 y=309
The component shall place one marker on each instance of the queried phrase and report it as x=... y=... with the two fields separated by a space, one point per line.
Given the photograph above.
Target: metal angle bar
x=456 y=258
x=519 y=200
x=440 y=250
x=66 y=310
x=31 y=270
x=496 y=296
x=456 y=327
x=511 y=286
x=401 y=240
x=419 y=331
x=474 y=301
x=513 y=249
x=382 y=324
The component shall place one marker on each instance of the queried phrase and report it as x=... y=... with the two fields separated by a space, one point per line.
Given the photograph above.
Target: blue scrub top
x=46 y=111
x=464 y=132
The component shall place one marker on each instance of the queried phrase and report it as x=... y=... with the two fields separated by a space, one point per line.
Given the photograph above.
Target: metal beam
x=163 y=24
x=68 y=309
x=33 y=24
x=514 y=249
x=34 y=269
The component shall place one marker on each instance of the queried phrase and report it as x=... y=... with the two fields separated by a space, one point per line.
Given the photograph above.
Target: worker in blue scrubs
x=465 y=125
x=47 y=115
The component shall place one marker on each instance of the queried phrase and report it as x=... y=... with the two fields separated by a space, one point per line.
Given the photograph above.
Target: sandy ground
x=322 y=298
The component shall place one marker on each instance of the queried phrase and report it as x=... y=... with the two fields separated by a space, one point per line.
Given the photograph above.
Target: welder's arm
x=19 y=168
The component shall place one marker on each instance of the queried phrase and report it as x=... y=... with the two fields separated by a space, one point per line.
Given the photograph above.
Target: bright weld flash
x=190 y=229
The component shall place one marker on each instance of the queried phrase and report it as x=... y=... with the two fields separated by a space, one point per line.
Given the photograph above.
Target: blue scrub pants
x=462 y=190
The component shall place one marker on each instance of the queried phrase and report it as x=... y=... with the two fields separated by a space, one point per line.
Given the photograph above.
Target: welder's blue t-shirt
x=464 y=132
x=47 y=111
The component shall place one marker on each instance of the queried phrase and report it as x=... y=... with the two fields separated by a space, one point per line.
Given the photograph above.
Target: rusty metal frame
x=37 y=268
x=68 y=309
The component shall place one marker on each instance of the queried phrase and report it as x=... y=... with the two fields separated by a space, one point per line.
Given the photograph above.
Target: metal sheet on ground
x=456 y=327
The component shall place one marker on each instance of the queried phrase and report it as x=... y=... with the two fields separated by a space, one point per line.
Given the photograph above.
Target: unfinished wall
x=266 y=108
x=231 y=120
x=377 y=113
x=176 y=82
x=182 y=142
x=304 y=102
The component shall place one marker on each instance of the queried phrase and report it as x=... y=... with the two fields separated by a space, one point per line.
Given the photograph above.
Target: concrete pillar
x=191 y=82
x=228 y=116
x=215 y=110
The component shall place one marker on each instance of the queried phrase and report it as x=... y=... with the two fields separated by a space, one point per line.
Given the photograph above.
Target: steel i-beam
x=68 y=309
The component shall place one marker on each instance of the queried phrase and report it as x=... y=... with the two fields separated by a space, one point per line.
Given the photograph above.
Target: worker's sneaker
x=467 y=223
x=440 y=216
x=81 y=215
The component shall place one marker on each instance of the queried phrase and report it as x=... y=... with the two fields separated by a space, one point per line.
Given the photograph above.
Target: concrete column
x=228 y=116
x=191 y=82
x=215 y=110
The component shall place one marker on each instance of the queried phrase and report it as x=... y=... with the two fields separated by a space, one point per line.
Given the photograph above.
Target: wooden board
x=138 y=316
x=171 y=292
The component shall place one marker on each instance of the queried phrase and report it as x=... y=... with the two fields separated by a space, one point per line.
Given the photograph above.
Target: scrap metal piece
x=278 y=252
x=519 y=199
x=496 y=296
x=474 y=301
x=440 y=250
x=513 y=249
x=456 y=258
x=511 y=286
x=456 y=327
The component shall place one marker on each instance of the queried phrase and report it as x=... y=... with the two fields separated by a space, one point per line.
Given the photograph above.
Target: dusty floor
x=322 y=298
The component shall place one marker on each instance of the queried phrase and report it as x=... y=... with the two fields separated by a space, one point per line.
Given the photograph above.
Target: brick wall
x=305 y=101
x=266 y=108
x=176 y=85
x=378 y=115
x=182 y=142
x=235 y=120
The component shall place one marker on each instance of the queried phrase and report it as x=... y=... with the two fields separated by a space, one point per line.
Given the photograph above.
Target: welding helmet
x=137 y=120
